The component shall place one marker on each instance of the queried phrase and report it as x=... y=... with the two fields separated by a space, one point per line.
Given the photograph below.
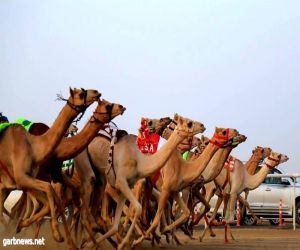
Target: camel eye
x=224 y=132
x=190 y=124
x=160 y=119
x=150 y=123
x=81 y=95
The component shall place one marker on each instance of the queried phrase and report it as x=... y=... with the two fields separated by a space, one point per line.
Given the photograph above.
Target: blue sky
x=224 y=63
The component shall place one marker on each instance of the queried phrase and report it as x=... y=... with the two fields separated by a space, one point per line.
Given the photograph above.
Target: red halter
x=216 y=136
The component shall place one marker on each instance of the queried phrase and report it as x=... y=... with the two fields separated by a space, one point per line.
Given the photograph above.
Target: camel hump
x=24 y=123
x=121 y=133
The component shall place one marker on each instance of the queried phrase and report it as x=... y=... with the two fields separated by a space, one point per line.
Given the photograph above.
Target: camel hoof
x=57 y=237
x=97 y=230
x=212 y=235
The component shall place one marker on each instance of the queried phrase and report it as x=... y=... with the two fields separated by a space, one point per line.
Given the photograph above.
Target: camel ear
x=176 y=116
x=202 y=138
x=253 y=151
x=180 y=120
x=217 y=129
x=71 y=92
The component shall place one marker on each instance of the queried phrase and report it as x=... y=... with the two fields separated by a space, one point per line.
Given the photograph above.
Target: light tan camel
x=178 y=174
x=227 y=177
x=130 y=165
x=21 y=153
x=141 y=188
x=245 y=182
x=71 y=146
x=91 y=165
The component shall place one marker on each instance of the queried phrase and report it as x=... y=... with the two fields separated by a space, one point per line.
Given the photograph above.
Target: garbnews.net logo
x=23 y=242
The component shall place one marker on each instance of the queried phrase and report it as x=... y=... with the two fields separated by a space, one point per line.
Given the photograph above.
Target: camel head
x=224 y=137
x=261 y=152
x=158 y=125
x=186 y=127
x=204 y=141
x=189 y=143
x=267 y=152
x=275 y=159
x=72 y=130
x=106 y=111
x=80 y=99
x=236 y=140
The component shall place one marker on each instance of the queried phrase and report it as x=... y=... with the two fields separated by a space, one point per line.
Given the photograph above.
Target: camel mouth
x=123 y=110
x=97 y=97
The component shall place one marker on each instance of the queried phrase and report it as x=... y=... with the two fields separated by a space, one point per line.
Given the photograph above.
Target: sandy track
x=260 y=237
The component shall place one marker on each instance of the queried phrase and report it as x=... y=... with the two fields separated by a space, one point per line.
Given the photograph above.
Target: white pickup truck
x=264 y=200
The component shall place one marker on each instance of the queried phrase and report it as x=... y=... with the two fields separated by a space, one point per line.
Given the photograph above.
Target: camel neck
x=191 y=170
x=71 y=146
x=44 y=145
x=252 y=164
x=216 y=164
x=253 y=181
x=149 y=164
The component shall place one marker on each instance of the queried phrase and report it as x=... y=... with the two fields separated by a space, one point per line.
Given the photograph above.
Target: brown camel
x=71 y=146
x=178 y=174
x=228 y=176
x=21 y=153
x=130 y=164
x=245 y=182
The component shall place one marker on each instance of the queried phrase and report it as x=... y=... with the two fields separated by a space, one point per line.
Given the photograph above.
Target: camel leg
x=231 y=207
x=114 y=228
x=27 y=182
x=246 y=205
x=3 y=195
x=184 y=215
x=161 y=204
x=202 y=211
x=122 y=185
x=196 y=219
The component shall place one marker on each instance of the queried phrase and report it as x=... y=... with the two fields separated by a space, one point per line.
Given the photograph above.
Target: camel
x=258 y=154
x=144 y=187
x=21 y=153
x=71 y=146
x=243 y=181
x=93 y=179
x=178 y=174
x=130 y=164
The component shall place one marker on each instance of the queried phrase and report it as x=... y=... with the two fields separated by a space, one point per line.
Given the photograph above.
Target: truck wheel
x=298 y=212
x=249 y=221
x=274 y=222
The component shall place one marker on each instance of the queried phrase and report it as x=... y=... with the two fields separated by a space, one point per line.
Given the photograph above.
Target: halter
x=216 y=136
x=272 y=159
x=78 y=108
x=109 y=113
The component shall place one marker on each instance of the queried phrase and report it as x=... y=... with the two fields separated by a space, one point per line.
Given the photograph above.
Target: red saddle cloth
x=147 y=142
x=229 y=164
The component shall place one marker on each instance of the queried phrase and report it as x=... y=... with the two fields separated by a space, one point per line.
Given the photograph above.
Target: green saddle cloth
x=185 y=155
x=20 y=121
